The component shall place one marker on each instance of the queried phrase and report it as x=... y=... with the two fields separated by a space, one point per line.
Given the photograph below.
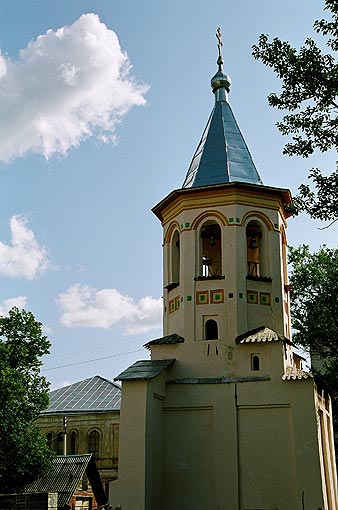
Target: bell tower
x=222 y=416
x=224 y=241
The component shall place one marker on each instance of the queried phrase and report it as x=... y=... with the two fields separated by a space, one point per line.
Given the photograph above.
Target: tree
x=309 y=93
x=314 y=299
x=314 y=312
x=24 y=454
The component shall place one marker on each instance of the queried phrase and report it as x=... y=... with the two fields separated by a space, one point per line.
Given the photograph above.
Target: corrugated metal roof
x=95 y=394
x=66 y=475
x=166 y=340
x=144 y=370
x=222 y=155
x=261 y=334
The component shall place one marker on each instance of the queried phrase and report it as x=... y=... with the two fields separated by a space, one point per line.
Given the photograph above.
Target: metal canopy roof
x=95 y=394
x=144 y=370
x=165 y=340
x=222 y=155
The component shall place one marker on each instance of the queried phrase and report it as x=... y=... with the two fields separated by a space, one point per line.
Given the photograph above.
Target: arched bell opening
x=254 y=237
x=175 y=258
x=211 y=249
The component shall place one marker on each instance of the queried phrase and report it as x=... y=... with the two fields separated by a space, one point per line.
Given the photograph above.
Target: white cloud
x=7 y=304
x=66 y=85
x=24 y=258
x=83 y=306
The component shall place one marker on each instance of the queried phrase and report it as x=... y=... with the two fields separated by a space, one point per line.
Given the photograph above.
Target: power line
x=90 y=360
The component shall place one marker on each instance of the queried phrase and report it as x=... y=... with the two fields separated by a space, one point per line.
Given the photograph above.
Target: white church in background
x=223 y=417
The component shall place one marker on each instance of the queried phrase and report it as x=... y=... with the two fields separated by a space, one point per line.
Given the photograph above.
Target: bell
x=212 y=241
x=253 y=243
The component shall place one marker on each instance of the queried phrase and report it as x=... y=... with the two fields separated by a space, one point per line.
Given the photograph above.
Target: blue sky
x=99 y=121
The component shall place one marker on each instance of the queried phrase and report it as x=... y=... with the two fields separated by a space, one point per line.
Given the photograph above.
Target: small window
x=94 y=443
x=83 y=503
x=73 y=442
x=255 y=362
x=50 y=440
x=211 y=330
x=59 y=444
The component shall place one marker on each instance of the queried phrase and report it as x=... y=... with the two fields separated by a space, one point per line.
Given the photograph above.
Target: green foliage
x=309 y=89
x=314 y=313
x=314 y=299
x=24 y=454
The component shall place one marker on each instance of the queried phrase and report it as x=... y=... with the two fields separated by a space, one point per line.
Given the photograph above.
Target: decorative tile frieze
x=174 y=304
x=265 y=298
x=171 y=305
x=217 y=296
x=202 y=297
x=252 y=297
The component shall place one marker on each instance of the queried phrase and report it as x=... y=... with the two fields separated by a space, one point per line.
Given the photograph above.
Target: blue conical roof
x=222 y=155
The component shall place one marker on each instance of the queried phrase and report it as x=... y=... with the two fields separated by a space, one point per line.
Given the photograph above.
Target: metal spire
x=222 y=155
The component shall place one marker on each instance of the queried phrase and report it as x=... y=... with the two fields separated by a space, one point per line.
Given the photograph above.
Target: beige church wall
x=245 y=437
x=132 y=444
x=200 y=437
x=216 y=358
x=294 y=400
x=266 y=459
x=140 y=472
x=188 y=433
x=210 y=359
x=270 y=360
x=156 y=396
x=275 y=443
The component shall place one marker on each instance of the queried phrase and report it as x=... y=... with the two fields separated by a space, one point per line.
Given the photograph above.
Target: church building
x=223 y=417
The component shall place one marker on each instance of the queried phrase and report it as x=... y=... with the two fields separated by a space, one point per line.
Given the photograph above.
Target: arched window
x=255 y=363
x=253 y=243
x=175 y=258
x=73 y=442
x=211 y=330
x=211 y=249
x=94 y=443
x=59 y=443
x=50 y=440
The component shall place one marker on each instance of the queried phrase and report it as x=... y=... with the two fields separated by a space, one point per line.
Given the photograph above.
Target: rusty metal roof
x=165 y=340
x=144 y=370
x=95 y=394
x=65 y=476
